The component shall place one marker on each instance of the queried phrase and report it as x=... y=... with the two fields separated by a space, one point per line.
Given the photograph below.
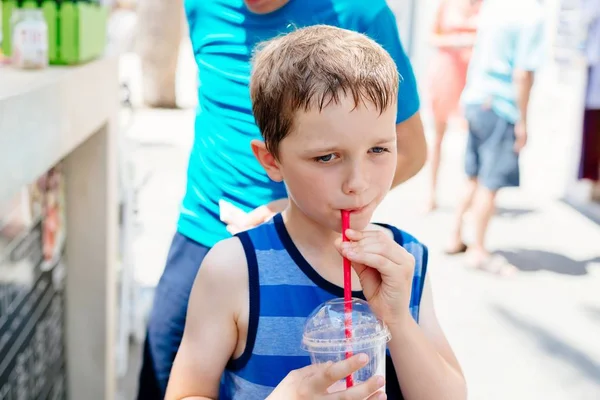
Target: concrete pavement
x=532 y=336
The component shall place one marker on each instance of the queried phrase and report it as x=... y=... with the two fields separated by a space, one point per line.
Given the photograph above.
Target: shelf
x=70 y=114
x=45 y=114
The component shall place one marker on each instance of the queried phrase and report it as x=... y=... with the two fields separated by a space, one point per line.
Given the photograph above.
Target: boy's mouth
x=356 y=210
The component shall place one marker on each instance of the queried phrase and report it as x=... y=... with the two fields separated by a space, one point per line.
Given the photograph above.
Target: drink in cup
x=325 y=339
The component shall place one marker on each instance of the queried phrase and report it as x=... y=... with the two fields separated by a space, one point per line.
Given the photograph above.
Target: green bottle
x=68 y=33
x=7 y=8
x=50 y=15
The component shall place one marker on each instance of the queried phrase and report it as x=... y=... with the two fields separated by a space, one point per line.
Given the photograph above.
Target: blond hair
x=313 y=67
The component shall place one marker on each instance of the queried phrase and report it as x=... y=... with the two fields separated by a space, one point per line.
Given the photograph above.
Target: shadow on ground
x=500 y=211
x=539 y=260
x=552 y=345
x=593 y=312
x=588 y=210
x=513 y=212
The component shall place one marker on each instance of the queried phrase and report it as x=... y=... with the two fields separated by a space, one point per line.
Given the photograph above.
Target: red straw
x=347 y=292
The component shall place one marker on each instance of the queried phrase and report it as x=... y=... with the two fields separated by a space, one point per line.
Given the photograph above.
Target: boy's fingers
x=365 y=390
x=380 y=263
x=394 y=252
x=338 y=243
x=337 y=371
x=355 y=235
x=305 y=374
x=360 y=235
x=377 y=243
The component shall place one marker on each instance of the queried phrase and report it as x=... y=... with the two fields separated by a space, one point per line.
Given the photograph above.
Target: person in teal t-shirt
x=227 y=190
x=508 y=51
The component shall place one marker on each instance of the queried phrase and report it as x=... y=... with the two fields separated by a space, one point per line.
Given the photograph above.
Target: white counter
x=70 y=114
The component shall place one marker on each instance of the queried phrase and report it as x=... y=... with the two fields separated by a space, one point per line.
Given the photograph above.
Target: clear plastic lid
x=324 y=330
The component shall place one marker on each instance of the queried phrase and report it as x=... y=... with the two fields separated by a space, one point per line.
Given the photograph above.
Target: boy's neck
x=316 y=244
x=308 y=234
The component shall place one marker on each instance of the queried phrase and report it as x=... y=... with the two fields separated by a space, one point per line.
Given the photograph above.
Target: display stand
x=70 y=114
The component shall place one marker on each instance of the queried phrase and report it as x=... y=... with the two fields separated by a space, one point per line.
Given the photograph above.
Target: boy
x=222 y=169
x=324 y=99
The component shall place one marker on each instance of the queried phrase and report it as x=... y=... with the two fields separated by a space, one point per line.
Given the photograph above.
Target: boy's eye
x=326 y=158
x=379 y=150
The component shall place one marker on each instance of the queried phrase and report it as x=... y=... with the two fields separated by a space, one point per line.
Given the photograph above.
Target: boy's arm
x=211 y=334
x=425 y=363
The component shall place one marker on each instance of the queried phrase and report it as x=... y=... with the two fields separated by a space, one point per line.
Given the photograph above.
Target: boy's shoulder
x=225 y=265
x=228 y=250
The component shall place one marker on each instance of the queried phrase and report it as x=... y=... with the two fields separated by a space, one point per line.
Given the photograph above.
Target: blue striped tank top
x=284 y=290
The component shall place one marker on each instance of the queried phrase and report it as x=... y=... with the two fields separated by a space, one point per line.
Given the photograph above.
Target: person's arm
x=210 y=334
x=425 y=363
x=412 y=147
x=523 y=81
x=436 y=31
x=237 y=220
x=529 y=56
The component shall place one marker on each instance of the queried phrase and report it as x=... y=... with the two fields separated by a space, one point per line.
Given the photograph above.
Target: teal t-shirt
x=510 y=37
x=224 y=34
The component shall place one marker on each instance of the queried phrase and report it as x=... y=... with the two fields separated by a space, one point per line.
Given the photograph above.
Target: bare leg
x=464 y=205
x=483 y=210
x=434 y=157
x=596 y=192
x=596 y=189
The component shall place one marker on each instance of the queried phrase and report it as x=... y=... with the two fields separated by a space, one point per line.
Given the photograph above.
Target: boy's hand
x=385 y=270
x=312 y=382
x=520 y=136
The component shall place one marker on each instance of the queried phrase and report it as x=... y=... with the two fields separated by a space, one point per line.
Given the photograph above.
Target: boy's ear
x=267 y=160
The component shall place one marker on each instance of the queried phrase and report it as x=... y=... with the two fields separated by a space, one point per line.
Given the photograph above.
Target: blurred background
x=114 y=125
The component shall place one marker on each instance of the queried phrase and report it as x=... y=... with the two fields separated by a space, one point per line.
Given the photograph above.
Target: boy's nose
x=356 y=181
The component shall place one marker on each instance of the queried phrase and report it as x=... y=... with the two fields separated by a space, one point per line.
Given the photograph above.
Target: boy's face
x=343 y=157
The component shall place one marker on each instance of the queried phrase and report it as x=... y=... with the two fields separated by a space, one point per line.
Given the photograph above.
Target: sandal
x=496 y=265
x=461 y=248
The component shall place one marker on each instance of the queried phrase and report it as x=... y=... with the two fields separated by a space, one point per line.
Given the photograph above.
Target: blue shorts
x=490 y=156
x=167 y=319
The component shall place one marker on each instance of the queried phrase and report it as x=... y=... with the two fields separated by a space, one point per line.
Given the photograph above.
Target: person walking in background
x=453 y=36
x=590 y=157
x=507 y=52
x=227 y=189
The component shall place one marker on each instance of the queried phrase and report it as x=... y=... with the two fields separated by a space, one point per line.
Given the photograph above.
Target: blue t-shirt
x=224 y=34
x=510 y=36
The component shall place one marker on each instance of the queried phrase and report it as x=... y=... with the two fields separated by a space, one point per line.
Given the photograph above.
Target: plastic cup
x=325 y=340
